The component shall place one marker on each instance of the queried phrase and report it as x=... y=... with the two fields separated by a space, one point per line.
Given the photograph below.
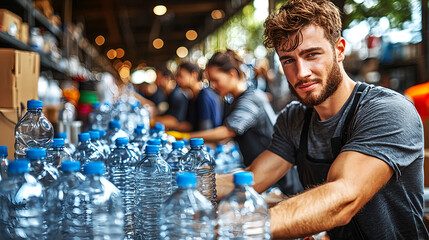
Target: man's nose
x=303 y=69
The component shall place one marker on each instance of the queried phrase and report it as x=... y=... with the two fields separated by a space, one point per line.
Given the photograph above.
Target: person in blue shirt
x=204 y=109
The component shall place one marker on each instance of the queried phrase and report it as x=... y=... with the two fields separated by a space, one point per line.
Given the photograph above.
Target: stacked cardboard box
x=19 y=74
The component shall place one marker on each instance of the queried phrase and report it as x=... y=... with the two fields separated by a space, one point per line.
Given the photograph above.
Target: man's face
x=184 y=78
x=311 y=69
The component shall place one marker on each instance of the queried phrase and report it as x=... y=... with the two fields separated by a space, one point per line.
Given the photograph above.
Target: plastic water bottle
x=158 y=131
x=33 y=130
x=3 y=162
x=56 y=154
x=140 y=137
x=187 y=214
x=69 y=147
x=166 y=148
x=86 y=151
x=55 y=197
x=95 y=140
x=225 y=163
x=114 y=132
x=243 y=214
x=93 y=210
x=99 y=118
x=21 y=204
x=153 y=187
x=197 y=160
x=44 y=172
x=173 y=160
x=121 y=164
x=141 y=114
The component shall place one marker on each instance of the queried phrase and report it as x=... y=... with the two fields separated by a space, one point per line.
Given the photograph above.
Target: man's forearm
x=316 y=210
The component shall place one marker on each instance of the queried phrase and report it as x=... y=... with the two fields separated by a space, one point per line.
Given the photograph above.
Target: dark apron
x=313 y=172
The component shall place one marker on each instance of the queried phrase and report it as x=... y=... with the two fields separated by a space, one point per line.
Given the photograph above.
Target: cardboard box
x=10 y=23
x=25 y=33
x=8 y=119
x=19 y=75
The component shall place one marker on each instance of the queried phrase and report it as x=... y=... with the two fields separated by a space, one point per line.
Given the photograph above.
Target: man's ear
x=340 y=49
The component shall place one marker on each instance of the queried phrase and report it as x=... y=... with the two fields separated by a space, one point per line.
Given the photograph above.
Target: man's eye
x=288 y=61
x=312 y=54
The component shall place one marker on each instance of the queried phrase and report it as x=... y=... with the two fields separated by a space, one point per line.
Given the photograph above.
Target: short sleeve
x=281 y=143
x=243 y=116
x=178 y=106
x=388 y=128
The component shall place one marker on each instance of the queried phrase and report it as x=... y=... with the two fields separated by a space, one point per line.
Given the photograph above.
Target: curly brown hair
x=296 y=14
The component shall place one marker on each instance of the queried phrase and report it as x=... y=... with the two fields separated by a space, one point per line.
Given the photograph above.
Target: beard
x=333 y=81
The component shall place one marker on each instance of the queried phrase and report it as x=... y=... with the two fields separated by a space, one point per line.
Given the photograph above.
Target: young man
x=176 y=99
x=204 y=109
x=358 y=148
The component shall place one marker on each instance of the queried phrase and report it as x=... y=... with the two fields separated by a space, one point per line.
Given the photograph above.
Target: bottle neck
x=197 y=147
x=35 y=110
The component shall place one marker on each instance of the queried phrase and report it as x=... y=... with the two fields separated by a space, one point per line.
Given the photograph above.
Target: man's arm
x=214 y=135
x=267 y=169
x=353 y=179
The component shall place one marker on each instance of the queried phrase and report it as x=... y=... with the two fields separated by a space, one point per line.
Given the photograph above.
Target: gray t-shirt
x=252 y=118
x=386 y=126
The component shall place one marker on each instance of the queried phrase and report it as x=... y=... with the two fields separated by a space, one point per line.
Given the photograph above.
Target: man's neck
x=334 y=103
x=196 y=88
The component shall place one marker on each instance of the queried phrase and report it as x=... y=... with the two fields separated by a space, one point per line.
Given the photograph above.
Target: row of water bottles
x=143 y=181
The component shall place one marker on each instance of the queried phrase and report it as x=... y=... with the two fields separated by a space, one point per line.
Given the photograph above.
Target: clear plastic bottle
x=142 y=115
x=86 y=151
x=166 y=148
x=173 y=160
x=55 y=197
x=187 y=214
x=197 y=160
x=3 y=162
x=113 y=133
x=225 y=163
x=21 y=203
x=98 y=118
x=95 y=139
x=69 y=147
x=33 y=130
x=243 y=214
x=158 y=131
x=93 y=210
x=153 y=187
x=140 y=137
x=121 y=164
x=44 y=172
x=56 y=154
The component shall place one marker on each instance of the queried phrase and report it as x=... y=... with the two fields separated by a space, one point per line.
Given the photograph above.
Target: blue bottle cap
x=96 y=105
x=58 y=142
x=18 y=166
x=219 y=148
x=102 y=133
x=178 y=145
x=62 y=135
x=159 y=126
x=141 y=126
x=243 y=178
x=186 y=179
x=114 y=124
x=34 y=104
x=151 y=149
x=70 y=166
x=138 y=130
x=121 y=141
x=94 y=168
x=196 y=142
x=36 y=153
x=155 y=141
x=84 y=137
x=94 y=134
x=3 y=151
x=163 y=141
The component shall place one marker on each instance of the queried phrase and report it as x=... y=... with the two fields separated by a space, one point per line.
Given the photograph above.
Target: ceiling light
x=128 y=64
x=138 y=76
x=99 y=40
x=124 y=72
x=160 y=10
x=182 y=52
x=191 y=35
x=120 y=53
x=218 y=14
x=158 y=43
x=111 y=54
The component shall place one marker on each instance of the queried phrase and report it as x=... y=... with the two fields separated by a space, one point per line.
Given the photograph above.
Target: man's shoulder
x=381 y=98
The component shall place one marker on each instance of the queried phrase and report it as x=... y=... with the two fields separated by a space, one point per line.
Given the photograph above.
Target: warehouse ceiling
x=133 y=26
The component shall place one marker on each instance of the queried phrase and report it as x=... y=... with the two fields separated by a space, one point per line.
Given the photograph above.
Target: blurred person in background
x=176 y=99
x=251 y=118
x=204 y=109
x=153 y=93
